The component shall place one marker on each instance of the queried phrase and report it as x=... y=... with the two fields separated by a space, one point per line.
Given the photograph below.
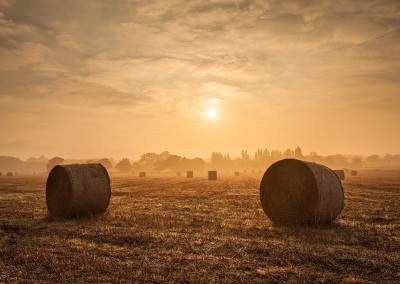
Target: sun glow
x=211 y=113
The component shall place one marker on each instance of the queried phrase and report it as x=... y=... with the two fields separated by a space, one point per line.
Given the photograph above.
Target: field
x=175 y=230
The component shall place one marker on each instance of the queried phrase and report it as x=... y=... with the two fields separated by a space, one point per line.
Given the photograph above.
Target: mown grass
x=175 y=230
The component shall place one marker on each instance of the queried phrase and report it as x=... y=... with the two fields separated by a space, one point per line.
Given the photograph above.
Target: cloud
x=225 y=91
x=162 y=60
x=68 y=42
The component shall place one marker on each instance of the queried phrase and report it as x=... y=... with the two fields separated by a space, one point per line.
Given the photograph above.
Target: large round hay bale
x=295 y=192
x=189 y=174
x=212 y=175
x=142 y=174
x=77 y=189
x=237 y=173
x=340 y=174
x=9 y=174
x=353 y=173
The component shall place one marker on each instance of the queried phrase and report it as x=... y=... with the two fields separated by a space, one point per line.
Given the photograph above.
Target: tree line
x=165 y=161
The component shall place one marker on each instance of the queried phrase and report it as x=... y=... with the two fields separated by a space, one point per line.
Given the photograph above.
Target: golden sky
x=121 y=78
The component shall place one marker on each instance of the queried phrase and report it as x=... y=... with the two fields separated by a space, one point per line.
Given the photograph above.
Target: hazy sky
x=121 y=78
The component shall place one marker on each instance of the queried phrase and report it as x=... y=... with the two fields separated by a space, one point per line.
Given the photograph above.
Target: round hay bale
x=77 y=189
x=9 y=174
x=353 y=173
x=142 y=174
x=340 y=174
x=212 y=175
x=237 y=174
x=295 y=192
x=189 y=174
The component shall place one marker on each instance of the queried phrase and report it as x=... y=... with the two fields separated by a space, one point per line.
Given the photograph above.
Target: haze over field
x=122 y=78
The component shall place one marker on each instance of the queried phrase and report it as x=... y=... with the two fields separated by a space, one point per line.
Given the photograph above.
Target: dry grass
x=174 y=230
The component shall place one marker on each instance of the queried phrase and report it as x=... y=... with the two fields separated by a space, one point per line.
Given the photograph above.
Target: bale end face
x=340 y=174
x=189 y=174
x=212 y=175
x=142 y=174
x=59 y=192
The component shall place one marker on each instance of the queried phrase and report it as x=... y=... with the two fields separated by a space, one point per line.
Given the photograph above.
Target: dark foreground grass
x=175 y=230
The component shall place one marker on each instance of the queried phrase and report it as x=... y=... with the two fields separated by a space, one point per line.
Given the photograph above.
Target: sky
x=92 y=79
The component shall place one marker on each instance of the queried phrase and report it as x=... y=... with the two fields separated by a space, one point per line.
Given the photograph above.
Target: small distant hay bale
x=189 y=174
x=178 y=174
x=9 y=174
x=237 y=174
x=16 y=173
x=354 y=173
x=1 y=174
x=142 y=174
x=212 y=175
x=77 y=189
x=294 y=192
x=340 y=174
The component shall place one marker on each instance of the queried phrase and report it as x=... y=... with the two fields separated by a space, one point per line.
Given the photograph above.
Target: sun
x=211 y=113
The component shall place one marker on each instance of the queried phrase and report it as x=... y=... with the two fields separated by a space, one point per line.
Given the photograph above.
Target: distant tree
x=288 y=153
x=164 y=155
x=42 y=159
x=262 y=158
x=298 y=153
x=356 y=162
x=197 y=164
x=374 y=161
x=276 y=155
x=105 y=163
x=338 y=161
x=388 y=160
x=148 y=157
x=54 y=162
x=245 y=156
x=172 y=163
x=258 y=156
x=147 y=161
x=124 y=165
x=8 y=163
x=220 y=161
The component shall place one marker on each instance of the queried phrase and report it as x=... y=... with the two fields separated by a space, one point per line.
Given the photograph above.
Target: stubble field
x=176 y=230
